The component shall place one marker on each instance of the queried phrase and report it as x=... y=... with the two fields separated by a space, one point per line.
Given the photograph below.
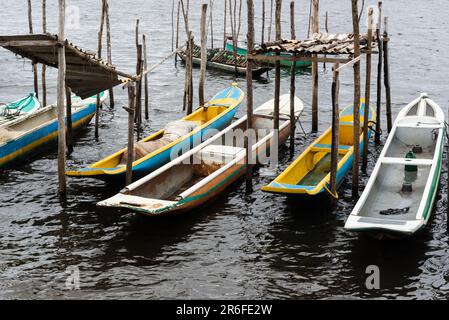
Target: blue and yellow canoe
x=27 y=134
x=309 y=175
x=216 y=114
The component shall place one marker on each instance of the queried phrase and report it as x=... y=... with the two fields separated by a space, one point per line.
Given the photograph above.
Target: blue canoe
x=216 y=114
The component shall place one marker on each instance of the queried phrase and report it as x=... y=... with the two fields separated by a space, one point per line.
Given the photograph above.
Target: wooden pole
x=292 y=81
x=379 y=75
x=211 y=3
x=224 y=24
x=173 y=25
x=249 y=91
x=30 y=25
x=277 y=81
x=60 y=102
x=271 y=21
x=130 y=109
x=44 y=67
x=356 y=158
x=109 y=50
x=100 y=44
x=190 y=79
x=203 y=55
x=69 y=135
x=233 y=17
x=177 y=33
x=335 y=131
x=187 y=78
x=138 y=105
x=262 y=39
x=327 y=31
x=367 y=92
x=387 y=75
x=145 y=66
x=315 y=71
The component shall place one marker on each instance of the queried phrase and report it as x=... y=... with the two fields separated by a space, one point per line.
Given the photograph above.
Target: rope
x=335 y=196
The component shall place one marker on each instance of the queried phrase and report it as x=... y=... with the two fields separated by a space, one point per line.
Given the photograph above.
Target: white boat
x=399 y=196
x=180 y=186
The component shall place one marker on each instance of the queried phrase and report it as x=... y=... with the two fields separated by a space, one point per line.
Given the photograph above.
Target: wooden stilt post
x=60 y=102
x=203 y=54
x=277 y=81
x=130 y=109
x=177 y=33
x=233 y=17
x=315 y=71
x=211 y=3
x=109 y=50
x=172 y=25
x=262 y=38
x=44 y=67
x=367 y=92
x=145 y=67
x=100 y=44
x=271 y=21
x=249 y=92
x=138 y=105
x=292 y=81
x=30 y=25
x=224 y=24
x=190 y=78
x=356 y=160
x=335 y=131
x=188 y=63
x=387 y=75
x=69 y=136
x=327 y=31
x=379 y=75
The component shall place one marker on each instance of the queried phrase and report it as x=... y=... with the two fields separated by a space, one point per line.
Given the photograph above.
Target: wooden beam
x=100 y=44
x=277 y=81
x=130 y=153
x=315 y=70
x=356 y=112
x=292 y=81
x=145 y=66
x=62 y=189
x=109 y=50
x=44 y=67
x=261 y=57
x=203 y=55
x=379 y=75
x=249 y=92
x=335 y=131
x=387 y=76
x=367 y=93
x=30 y=25
x=69 y=135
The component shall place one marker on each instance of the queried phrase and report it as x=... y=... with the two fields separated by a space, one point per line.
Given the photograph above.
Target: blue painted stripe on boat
x=328 y=146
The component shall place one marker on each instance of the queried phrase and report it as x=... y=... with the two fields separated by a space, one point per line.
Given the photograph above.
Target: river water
x=244 y=245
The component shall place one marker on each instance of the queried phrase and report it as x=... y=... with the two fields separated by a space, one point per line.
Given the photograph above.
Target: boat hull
x=41 y=137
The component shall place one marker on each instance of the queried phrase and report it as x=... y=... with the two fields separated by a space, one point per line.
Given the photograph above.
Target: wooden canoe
x=218 y=162
x=18 y=109
x=224 y=60
x=216 y=114
x=399 y=196
x=309 y=175
x=30 y=133
x=284 y=63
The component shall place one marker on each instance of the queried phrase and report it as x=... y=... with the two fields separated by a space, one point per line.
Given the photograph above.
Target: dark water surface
x=243 y=245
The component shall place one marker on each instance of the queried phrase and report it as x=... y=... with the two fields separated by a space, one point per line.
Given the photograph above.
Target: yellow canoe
x=216 y=114
x=309 y=174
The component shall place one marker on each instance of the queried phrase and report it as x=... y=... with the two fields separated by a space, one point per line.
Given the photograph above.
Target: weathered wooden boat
x=399 y=196
x=217 y=113
x=218 y=162
x=284 y=63
x=224 y=60
x=27 y=134
x=309 y=175
x=20 y=108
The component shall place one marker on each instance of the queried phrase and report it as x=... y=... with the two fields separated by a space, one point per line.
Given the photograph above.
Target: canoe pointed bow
x=141 y=204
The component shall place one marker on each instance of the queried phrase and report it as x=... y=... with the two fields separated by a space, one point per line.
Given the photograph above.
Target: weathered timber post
x=211 y=3
x=271 y=21
x=249 y=92
x=292 y=80
x=177 y=33
x=277 y=81
x=224 y=24
x=190 y=97
x=30 y=25
x=387 y=75
x=335 y=131
x=356 y=160
x=367 y=91
x=100 y=44
x=327 y=31
x=44 y=67
x=109 y=50
x=69 y=135
x=60 y=101
x=379 y=75
x=138 y=105
x=203 y=55
x=262 y=39
x=315 y=70
x=130 y=109
x=172 y=25
x=145 y=67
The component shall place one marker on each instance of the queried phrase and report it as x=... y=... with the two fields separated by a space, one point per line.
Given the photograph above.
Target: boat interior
x=226 y=149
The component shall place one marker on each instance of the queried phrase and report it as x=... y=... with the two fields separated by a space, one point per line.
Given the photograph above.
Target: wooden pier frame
x=109 y=49
x=315 y=5
x=145 y=66
x=44 y=67
x=62 y=183
x=69 y=133
x=130 y=109
x=356 y=112
x=100 y=49
x=203 y=55
x=34 y=65
x=379 y=75
x=367 y=92
x=335 y=131
x=292 y=81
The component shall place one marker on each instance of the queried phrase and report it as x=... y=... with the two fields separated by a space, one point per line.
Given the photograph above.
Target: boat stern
x=383 y=228
x=140 y=204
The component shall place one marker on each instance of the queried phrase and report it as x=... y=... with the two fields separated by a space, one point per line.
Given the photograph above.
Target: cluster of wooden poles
x=382 y=41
